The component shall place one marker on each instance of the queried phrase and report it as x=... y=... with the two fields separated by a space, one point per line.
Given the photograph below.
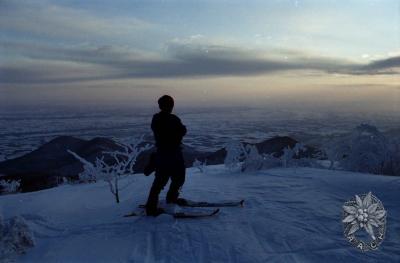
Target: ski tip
x=242 y=203
x=216 y=211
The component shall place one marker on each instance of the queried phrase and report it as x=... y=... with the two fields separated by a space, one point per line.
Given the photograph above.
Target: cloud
x=43 y=63
x=28 y=71
x=43 y=19
x=387 y=63
x=39 y=22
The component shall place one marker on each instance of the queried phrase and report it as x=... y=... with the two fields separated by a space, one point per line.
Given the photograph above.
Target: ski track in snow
x=290 y=215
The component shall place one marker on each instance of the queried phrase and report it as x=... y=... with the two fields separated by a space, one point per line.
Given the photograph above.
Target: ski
x=196 y=214
x=190 y=203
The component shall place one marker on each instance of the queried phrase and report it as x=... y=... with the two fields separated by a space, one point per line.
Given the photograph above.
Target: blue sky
x=167 y=44
x=342 y=28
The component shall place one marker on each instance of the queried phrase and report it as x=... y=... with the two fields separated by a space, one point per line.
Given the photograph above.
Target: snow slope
x=290 y=215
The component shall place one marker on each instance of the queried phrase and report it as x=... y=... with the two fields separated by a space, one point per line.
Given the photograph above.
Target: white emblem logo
x=364 y=212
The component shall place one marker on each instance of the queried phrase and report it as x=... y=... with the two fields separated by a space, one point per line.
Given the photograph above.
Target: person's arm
x=182 y=128
x=153 y=124
x=155 y=127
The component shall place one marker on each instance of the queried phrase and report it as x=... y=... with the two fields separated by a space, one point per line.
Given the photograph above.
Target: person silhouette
x=168 y=160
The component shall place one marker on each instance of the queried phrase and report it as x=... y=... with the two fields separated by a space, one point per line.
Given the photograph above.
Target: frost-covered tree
x=64 y=180
x=299 y=148
x=367 y=150
x=9 y=186
x=253 y=161
x=122 y=164
x=234 y=155
x=127 y=156
x=91 y=172
x=291 y=156
x=287 y=156
x=298 y=160
x=334 y=152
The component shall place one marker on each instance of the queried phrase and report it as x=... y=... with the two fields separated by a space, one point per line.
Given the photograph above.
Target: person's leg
x=177 y=181
x=151 y=165
x=159 y=183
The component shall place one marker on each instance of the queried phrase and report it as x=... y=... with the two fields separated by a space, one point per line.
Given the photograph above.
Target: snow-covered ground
x=290 y=215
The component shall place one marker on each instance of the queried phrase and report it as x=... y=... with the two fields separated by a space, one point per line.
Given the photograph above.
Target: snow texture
x=290 y=215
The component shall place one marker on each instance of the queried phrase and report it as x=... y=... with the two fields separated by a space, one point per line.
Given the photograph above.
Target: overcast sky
x=217 y=51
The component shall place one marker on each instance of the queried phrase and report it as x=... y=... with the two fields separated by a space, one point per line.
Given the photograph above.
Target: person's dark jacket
x=168 y=131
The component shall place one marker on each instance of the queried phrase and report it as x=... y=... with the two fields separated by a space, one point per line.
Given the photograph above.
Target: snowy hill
x=290 y=215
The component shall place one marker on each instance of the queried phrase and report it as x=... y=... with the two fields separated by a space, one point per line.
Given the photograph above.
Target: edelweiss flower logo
x=365 y=212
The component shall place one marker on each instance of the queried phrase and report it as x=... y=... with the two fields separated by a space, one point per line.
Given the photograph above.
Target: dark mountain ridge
x=46 y=166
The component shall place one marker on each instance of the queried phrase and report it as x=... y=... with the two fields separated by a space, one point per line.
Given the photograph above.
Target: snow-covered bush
x=234 y=155
x=9 y=186
x=123 y=163
x=202 y=166
x=366 y=150
x=15 y=238
x=247 y=158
